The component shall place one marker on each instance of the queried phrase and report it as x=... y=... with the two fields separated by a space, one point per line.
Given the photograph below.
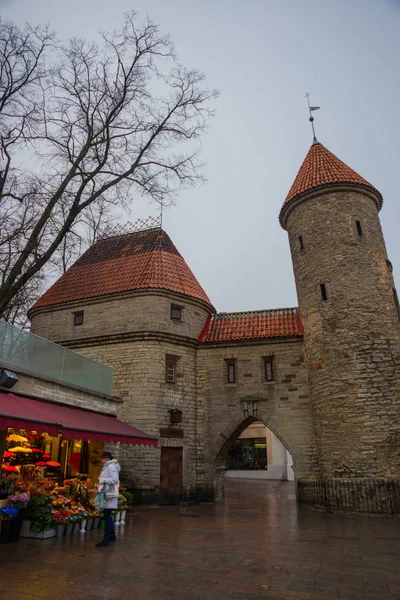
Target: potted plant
x=59 y=522
x=69 y=525
x=19 y=501
x=38 y=512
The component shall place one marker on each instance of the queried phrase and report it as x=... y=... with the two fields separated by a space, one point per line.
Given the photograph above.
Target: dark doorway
x=170 y=475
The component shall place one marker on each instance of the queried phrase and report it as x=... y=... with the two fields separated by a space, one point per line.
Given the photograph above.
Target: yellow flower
x=16 y=438
x=20 y=449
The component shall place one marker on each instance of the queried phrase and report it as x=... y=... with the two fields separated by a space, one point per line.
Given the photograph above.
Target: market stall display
x=35 y=501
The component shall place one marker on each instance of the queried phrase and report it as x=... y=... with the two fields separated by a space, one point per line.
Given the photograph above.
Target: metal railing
x=26 y=352
x=380 y=496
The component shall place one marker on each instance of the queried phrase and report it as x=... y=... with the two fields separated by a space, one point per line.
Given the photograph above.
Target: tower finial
x=311 y=119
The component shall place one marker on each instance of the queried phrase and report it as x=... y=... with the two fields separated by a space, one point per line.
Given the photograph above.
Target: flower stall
x=39 y=507
x=45 y=447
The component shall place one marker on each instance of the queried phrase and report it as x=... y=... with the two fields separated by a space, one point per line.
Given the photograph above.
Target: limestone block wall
x=352 y=339
x=146 y=312
x=139 y=378
x=135 y=334
x=225 y=410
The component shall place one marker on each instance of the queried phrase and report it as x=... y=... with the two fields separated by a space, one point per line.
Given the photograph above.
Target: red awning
x=27 y=413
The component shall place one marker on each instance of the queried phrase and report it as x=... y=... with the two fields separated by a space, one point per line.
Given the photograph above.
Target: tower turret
x=350 y=313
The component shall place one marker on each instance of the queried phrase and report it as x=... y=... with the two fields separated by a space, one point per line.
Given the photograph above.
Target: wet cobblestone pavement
x=258 y=544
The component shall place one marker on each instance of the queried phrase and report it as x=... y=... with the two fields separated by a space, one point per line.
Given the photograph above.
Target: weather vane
x=310 y=110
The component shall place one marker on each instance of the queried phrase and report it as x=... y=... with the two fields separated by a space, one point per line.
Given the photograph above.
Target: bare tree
x=106 y=122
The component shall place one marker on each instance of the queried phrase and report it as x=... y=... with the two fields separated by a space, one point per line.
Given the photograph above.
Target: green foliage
x=38 y=512
x=128 y=497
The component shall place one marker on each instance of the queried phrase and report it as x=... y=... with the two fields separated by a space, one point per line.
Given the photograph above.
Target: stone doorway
x=170 y=475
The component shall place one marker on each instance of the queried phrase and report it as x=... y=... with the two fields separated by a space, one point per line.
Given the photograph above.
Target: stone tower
x=132 y=302
x=350 y=312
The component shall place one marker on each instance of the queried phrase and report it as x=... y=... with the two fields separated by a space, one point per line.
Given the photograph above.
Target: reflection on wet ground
x=258 y=544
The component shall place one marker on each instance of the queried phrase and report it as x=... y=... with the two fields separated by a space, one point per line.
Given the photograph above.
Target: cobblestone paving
x=258 y=544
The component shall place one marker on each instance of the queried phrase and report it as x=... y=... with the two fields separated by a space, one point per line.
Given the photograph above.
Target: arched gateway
x=196 y=378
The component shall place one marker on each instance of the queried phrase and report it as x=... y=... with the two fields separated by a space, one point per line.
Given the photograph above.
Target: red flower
x=37 y=450
x=9 y=454
x=46 y=456
x=50 y=463
x=9 y=469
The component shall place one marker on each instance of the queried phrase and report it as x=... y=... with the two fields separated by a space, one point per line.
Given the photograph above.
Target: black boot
x=102 y=544
x=113 y=538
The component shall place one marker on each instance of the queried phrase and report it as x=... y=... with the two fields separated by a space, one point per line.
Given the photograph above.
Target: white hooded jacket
x=110 y=476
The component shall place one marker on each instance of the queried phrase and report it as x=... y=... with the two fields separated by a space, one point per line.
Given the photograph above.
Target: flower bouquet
x=30 y=472
x=8 y=513
x=49 y=464
x=19 y=500
x=14 y=437
x=9 y=469
x=7 y=484
x=8 y=454
x=60 y=520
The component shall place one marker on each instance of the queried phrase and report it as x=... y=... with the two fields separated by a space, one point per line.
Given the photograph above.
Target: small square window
x=231 y=371
x=170 y=371
x=176 y=312
x=269 y=368
x=78 y=318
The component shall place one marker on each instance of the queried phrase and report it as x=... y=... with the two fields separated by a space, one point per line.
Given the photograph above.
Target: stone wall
x=225 y=410
x=352 y=339
x=135 y=334
x=122 y=315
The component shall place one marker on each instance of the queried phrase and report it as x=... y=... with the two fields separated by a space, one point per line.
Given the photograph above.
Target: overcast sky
x=264 y=55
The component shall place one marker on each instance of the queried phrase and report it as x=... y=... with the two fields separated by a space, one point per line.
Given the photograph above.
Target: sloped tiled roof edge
x=251 y=325
x=322 y=169
x=143 y=260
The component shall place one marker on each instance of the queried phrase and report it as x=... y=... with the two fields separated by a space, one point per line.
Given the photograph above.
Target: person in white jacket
x=109 y=482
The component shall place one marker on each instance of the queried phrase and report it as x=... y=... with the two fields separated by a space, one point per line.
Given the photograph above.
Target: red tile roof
x=136 y=261
x=257 y=324
x=321 y=167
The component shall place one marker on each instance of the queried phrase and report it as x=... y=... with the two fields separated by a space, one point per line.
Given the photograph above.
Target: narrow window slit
x=324 y=294
x=301 y=242
x=359 y=228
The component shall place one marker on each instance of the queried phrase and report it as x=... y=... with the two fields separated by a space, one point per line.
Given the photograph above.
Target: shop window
x=170 y=371
x=269 y=368
x=231 y=371
x=78 y=318
x=248 y=454
x=176 y=312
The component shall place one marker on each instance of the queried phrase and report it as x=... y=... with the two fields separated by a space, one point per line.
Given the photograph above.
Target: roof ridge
x=262 y=312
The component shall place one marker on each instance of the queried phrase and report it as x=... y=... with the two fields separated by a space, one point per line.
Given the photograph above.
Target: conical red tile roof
x=320 y=167
x=137 y=261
